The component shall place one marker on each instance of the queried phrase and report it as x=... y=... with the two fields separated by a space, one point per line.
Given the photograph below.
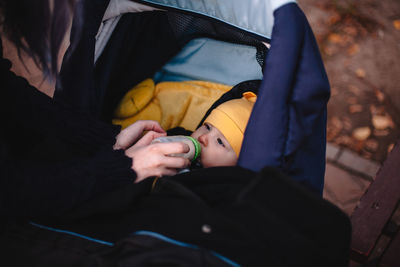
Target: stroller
x=214 y=41
x=266 y=210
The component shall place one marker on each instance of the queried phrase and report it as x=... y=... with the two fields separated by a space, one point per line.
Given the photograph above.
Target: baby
x=222 y=133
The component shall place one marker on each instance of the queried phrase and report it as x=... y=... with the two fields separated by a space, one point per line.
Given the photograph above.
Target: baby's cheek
x=206 y=159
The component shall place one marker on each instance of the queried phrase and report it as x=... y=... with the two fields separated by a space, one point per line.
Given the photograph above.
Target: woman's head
x=222 y=133
x=37 y=27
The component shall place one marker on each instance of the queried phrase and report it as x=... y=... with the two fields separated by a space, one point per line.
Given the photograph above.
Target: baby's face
x=215 y=149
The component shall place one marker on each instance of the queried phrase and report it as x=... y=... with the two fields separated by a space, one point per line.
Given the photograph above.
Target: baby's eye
x=207 y=126
x=220 y=142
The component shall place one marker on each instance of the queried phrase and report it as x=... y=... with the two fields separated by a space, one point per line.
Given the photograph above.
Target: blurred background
x=360 y=44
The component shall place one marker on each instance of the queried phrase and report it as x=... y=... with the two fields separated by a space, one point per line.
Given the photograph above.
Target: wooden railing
x=376 y=220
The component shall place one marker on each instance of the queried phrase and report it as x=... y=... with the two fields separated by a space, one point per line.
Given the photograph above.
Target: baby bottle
x=194 y=145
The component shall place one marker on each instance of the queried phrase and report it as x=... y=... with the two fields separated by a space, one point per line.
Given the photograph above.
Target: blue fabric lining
x=183 y=244
x=72 y=233
x=148 y=233
x=211 y=60
x=238 y=13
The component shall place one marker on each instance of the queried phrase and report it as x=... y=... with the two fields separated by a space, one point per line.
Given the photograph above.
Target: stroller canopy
x=124 y=42
x=251 y=16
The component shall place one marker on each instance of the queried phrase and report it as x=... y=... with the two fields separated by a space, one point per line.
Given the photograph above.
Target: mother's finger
x=149 y=125
x=172 y=148
x=175 y=162
x=147 y=138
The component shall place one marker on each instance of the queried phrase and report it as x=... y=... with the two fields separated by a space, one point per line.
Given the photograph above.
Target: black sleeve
x=31 y=113
x=35 y=189
x=31 y=187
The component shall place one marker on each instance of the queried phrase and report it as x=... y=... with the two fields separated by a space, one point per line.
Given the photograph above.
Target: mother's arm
x=31 y=187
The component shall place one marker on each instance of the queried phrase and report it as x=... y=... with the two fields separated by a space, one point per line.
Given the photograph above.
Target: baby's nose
x=203 y=139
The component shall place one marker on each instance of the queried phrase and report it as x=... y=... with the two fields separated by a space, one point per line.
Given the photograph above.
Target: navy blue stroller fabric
x=287 y=128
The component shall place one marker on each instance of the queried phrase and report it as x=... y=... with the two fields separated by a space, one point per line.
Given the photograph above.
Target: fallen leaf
x=337 y=123
x=361 y=133
x=382 y=122
x=334 y=128
x=357 y=145
x=366 y=155
x=372 y=109
x=335 y=38
x=355 y=90
x=380 y=133
x=334 y=18
x=396 y=24
x=360 y=73
x=353 y=49
x=347 y=123
x=352 y=100
x=347 y=39
x=330 y=135
x=372 y=145
x=390 y=147
x=379 y=95
x=344 y=140
x=329 y=50
x=350 y=30
x=355 y=108
x=377 y=110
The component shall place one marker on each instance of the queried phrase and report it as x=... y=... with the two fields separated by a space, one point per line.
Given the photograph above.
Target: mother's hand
x=153 y=160
x=133 y=132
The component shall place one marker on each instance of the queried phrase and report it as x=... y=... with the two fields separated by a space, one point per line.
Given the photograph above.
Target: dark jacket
x=51 y=157
x=216 y=215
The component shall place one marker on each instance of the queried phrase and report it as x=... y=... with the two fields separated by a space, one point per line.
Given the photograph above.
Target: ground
x=360 y=45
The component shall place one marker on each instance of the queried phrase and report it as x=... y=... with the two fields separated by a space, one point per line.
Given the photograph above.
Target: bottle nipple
x=194 y=145
x=197 y=148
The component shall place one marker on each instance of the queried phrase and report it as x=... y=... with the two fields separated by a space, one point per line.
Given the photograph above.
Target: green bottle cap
x=197 y=147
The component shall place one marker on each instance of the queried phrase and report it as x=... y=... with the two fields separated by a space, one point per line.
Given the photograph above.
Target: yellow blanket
x=172 y=104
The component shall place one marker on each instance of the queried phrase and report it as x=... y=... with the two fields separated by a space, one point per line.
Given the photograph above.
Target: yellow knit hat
x=231 y=118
